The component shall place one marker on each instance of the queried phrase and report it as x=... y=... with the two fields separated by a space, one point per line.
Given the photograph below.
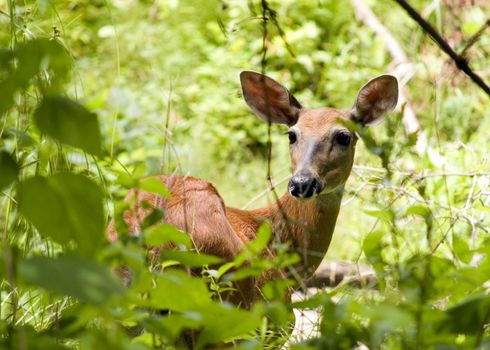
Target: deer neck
x=308 y=225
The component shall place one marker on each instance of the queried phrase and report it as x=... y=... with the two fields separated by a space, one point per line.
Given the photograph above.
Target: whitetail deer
x=322 y=153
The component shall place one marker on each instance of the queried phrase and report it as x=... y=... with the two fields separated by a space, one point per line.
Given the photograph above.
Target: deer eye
x=343 y=138
x=292 y=137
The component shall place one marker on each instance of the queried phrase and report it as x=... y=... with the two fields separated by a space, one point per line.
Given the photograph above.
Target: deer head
x=321 y=145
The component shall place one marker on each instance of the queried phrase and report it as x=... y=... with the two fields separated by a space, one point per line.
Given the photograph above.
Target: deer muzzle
x=304 y=186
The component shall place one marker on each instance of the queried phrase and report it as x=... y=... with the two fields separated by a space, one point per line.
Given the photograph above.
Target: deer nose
x=304 y=186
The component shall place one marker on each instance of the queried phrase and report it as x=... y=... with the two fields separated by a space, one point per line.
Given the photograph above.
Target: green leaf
x=373 y=246
x=70 y=123
x=384 y=215
x=419 y=209
x=25 y=336
x=482 y=208
x=276 y=289
x=177 y=291
x=154 y=185
x=158 y=235
x=462 y=249
x=279 y=313
x=225 y=268
x=172 y=325
x=313 y=301
x=248 y=271
x=73 y=276
x=188 y=258
x=156 y=215
x=263 y=237
x=223 y=322
x=65 y=207
x=471 y=27
x=412 y=138
x=9 y=170
x=20 y=67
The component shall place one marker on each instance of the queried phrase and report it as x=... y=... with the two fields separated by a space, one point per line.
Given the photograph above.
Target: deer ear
x=376 y=98
x=268 y=99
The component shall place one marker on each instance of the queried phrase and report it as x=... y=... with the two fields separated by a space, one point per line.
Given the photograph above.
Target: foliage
x=97 y=95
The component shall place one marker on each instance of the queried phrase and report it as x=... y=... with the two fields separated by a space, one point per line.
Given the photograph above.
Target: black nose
x=304 y=186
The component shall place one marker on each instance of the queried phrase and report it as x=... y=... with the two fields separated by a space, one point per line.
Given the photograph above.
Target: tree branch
x=460 y=61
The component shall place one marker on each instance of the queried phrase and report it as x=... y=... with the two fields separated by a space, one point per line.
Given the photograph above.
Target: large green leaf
x=373 y=245
x=462 y=249
x=160 y=234
x=218 y=322
x=19 y=67
x=178 y=291
x=71 y=276
x=171 y=326
x=26 y=337
x=153 y=185
x=69 y=122
x=225 y=322
x=65 y=207
x=263 y=237
x=469 y=316
x=9 y=170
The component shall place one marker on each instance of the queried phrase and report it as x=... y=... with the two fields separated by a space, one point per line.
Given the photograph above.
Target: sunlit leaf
x=462 y=249
x=263 y=237
x=418 y=209
x=178 y=291
x=373 y=246
x=248 y=271
x=382 y=214
x=153 y=185
x=482 y=208
x=158 y=235
x=188 y=258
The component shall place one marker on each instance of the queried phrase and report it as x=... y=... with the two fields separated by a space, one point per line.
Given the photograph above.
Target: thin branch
x=423 y=175
x=475 y=37
x=460 y=61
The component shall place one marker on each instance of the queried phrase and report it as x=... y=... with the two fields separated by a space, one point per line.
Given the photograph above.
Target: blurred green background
x=163 y=78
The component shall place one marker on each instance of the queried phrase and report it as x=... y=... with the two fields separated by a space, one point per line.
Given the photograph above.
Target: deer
x=322 y=148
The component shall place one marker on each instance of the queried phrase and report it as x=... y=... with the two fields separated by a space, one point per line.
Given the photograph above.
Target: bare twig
x=423 y=175
x=460 y=61
x=475 y=37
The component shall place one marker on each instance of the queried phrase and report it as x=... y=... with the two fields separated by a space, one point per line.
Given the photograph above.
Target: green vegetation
x=97 y=95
